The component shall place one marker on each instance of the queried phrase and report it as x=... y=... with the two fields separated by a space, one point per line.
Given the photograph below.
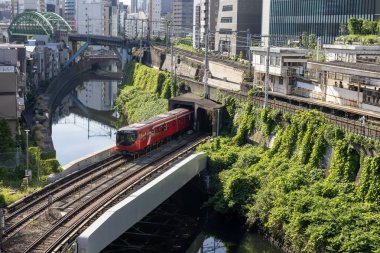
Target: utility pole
x=2 y=227
x=27 y=152
x=172 y=53
x=249 y=44
x=205 y=78
x=167 y=34
x=141 y=43
x=318 y=48
x=266 y=86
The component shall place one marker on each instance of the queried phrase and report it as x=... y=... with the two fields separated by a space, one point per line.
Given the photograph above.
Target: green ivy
x=286 y=190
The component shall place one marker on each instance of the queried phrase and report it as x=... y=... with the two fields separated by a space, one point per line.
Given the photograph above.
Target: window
x=272 y=61
x=227 y=8
x=226 y=20
x=262 y=59
x=225 y=31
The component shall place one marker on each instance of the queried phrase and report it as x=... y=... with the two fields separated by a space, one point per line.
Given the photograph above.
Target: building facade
x=154 y=16
x=183 y=17
x=13 y=83
x=234 y=19
x=320 y=17
x=97 y=17
x=70 y=13
x=206 y=12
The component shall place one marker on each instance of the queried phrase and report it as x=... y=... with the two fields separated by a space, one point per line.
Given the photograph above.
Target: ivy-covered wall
x=287 y=191
x=145 y=94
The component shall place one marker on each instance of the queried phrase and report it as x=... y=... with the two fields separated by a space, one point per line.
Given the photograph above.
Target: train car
x=138 y=136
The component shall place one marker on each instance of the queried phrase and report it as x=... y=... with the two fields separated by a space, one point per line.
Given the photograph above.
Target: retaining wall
x=82 y=163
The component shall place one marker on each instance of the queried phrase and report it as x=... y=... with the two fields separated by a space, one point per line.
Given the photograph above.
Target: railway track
x=201 y=58
x=370 y=130
x=36 y=206
x=71 y=195
x=67 y=228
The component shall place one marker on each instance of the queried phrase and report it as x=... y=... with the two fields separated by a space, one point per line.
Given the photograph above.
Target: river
x=75 y=136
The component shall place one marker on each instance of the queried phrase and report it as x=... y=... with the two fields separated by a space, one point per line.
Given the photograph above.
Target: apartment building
x=13 y=81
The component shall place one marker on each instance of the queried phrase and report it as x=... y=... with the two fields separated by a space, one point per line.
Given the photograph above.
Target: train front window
x=126 y=138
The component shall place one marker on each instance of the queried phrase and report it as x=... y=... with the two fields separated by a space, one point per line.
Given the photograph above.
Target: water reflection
x=75 y=136
x=83 y=123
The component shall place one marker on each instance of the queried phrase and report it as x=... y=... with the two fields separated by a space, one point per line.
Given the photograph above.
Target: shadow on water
x=180 y=224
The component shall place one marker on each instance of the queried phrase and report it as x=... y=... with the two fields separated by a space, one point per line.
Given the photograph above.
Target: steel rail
x=71 y=187
x=53 y=187
x=102 y=204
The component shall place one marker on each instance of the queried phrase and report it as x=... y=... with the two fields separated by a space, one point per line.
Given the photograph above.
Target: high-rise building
x=205 y=12
x=320 y=17
x=183 y=17
x=154 y=16
x=20 y=6
x=166 y=7
x=142 y=5
x=97 y=17
x=133 y=6
x=70 y=13
x=234 y=19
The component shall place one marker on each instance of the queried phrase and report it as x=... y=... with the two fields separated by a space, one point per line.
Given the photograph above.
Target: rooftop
x=352 y=47
x=357 y=66
x=281 y=50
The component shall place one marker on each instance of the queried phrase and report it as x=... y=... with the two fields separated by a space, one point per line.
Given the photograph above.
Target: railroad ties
x=51 y=220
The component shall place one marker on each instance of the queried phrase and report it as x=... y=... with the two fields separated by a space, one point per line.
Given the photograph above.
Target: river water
x=75 y=136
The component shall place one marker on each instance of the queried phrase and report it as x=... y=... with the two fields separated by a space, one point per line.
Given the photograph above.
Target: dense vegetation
x=145 y=94
x=361 y=31
x=12 y=186
x=304 y=198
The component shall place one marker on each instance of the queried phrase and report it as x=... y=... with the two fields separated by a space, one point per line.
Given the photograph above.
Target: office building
x=320 y=17
x=206 y=12
x=183 y=17
x=70 y=13
x=154 y=16
x=235 y=18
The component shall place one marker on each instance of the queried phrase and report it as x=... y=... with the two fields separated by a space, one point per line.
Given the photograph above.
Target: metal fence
x=366 y=129
x=12 y=160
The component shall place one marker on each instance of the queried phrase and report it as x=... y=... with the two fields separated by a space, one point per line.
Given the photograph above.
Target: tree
x=343 y=29
x=305 y=40
x=6 y=139
x=355 y=26
x=312 y=41
x=369 y=27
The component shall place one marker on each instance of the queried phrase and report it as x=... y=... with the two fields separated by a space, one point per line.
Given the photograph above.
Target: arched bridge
x=100 y=40
x=37 y=23
x=71 y=77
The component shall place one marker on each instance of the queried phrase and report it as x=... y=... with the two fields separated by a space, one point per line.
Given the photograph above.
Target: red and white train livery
x=138 y=136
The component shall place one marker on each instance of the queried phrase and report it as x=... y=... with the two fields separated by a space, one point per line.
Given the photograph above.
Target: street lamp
x=27 y=153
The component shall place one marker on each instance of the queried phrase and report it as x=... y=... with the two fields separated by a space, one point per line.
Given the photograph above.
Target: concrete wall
x=221 y=71
x=82 y=163
x=186 y=68
x=342 y=96
x=132 y=209
x=371 y=108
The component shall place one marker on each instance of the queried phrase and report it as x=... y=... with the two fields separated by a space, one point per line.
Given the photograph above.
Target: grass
x=9 y=195
x=187 y=48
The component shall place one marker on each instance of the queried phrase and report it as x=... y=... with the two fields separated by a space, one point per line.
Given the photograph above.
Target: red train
x=138 y=136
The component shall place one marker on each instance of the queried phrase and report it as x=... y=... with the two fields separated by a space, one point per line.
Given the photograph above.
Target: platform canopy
x=31 y=23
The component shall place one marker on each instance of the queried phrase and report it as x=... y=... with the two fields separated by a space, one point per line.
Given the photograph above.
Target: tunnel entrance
x=204 y=121
x=207 y=113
